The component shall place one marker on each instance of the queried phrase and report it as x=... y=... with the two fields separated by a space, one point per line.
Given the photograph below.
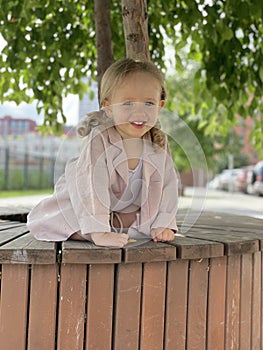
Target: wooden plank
x=77 y=252
x=256 y=302
x=153 y=306
x=100 y=307
x=197 y=305
x=232 y=303
x=149 y=252
x=176 y=305
x=228 y=220
x=193 y=248
x=72 y=299
x=127 y=312
x=27 y=250
x=245 y=302
x=10 y=232
x=216 y=304
x=43 y=307
x=235 y=243
x=13 y=306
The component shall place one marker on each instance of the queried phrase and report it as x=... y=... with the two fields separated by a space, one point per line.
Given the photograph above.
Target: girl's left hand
x=162 y=234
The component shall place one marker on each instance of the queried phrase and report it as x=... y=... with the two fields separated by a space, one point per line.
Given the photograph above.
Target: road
x=196 y=199
x=223 y=202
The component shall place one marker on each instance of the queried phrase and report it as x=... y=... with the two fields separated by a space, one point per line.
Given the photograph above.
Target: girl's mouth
x=138 y=124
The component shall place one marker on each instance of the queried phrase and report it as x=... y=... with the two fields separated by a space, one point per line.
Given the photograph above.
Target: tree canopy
x=51 y=46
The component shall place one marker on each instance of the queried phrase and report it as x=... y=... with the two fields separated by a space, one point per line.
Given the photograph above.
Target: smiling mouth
x=138 y=123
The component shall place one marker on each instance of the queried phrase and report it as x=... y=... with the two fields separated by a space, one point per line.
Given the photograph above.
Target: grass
x=11 y=193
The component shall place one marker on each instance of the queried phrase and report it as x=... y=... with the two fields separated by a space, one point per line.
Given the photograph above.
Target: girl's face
x=135 y=105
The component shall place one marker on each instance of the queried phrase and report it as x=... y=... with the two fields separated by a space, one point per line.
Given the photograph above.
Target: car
x=244 y=179
x=258 y=185
x=227 y=179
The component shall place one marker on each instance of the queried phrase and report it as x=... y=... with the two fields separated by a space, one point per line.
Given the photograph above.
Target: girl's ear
x=107 y=109
x=161 y=105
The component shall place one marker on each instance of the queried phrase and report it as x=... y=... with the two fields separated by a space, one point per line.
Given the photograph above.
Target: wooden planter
x=202 y=291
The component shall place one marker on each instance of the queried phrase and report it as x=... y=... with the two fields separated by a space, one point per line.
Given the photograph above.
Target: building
x=16 y=126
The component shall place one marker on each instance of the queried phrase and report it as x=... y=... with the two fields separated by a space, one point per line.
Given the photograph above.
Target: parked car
x=227 y=179
x=258 y=185
x=245 y=179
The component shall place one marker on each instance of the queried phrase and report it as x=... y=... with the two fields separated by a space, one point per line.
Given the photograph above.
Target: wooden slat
x=216 y=304
x=43 y=307
x=197 y=304
x=10 y=232
x=176 y=305
x=77 y=252
x=228 y=220
x=149 y=252
x=245 y=302
x=100 y=307
x=127 y=312
x=153 y=306
x=256 y=302
x=72 y=298
x=193 y=248
x=13 y=307
x=234 y=243
x=27 y=250
x=232 y=303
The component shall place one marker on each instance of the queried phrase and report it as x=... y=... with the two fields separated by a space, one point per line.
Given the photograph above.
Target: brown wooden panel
x=149 y=252
x=77 y=252
x=235 y=243
x=192 y=248
x=127 y=312
x=10 y=231
x=153 y=306
x=197 y=305
x=43 y=307
x=256 y=303
x=27 y=250
x=216 y=303
x=245 y=302
x=100 y=307
x=176 y=305
x=228 y=220
x=232 y=303
x=13 y=306
x=72 y=298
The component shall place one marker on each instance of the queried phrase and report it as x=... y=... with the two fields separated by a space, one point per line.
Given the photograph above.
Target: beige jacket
x=83 y=196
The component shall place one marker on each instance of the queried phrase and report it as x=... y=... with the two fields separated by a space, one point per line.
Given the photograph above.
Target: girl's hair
x=117 y=72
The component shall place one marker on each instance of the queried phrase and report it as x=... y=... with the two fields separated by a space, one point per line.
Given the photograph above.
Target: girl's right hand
x=109 y=239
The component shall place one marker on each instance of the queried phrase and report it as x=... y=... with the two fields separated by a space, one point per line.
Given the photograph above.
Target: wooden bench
x=199 y=292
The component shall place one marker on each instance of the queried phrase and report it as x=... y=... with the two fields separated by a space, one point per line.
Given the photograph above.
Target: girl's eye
x=149 y=104
x=128 y=103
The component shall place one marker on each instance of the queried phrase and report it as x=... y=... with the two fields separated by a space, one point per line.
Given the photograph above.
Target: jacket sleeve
x=87 y=182
x=166 y=216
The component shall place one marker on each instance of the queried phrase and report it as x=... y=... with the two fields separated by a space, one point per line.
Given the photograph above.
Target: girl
x=123 y=185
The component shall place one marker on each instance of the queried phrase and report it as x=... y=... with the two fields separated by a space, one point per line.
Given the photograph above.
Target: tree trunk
x=103 y=36
x=135 y=21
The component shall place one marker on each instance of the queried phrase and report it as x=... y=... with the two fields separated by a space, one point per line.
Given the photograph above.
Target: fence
x=20 y=170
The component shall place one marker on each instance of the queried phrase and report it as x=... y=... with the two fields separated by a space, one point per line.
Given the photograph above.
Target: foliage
x=52 y=46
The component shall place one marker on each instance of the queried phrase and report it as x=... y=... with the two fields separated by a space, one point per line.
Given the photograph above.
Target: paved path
x=196 y=199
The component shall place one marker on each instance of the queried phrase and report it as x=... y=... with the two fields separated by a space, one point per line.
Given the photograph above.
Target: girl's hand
x=162 y=234
x=109 y=239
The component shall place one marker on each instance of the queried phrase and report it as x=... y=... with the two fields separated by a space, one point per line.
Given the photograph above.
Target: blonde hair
x=117 y=72
x=112 y=77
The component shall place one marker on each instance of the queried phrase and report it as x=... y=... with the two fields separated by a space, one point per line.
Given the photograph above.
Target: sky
x=24 y=110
